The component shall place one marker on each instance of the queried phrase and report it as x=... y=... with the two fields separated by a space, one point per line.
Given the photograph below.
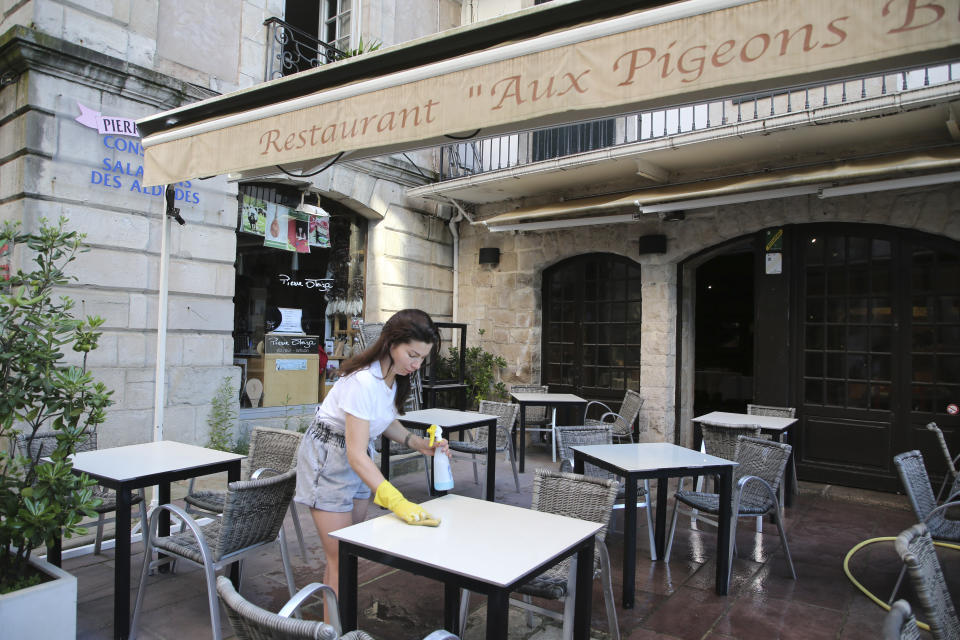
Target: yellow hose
x=856 y=583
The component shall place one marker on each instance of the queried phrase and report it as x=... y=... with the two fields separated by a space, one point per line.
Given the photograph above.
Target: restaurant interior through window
x=299 y=291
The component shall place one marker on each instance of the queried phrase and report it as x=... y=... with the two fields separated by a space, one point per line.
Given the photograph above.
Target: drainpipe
x=454 y=220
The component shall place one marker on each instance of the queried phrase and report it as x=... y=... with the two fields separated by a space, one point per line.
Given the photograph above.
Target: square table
x=525 y=399
x=451 y=421
x=142 y=465
x=660 y=460
x=476 y=547
x=776 y=425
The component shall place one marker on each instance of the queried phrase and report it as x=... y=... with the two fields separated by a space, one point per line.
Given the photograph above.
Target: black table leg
x=497 y=612
x=660 y=531
x=583 y=603
x=790 y=481
x=55 y=552
x=347 y=592
x=451 y=608
x=492 y=460
x=233 y=475
x=385 y=457
x=163 y=525
x=724 y=541
x=630 y=542
x=523 y=434
x=121 y=571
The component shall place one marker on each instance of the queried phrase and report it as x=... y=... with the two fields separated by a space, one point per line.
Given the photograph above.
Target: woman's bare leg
x=327 y=521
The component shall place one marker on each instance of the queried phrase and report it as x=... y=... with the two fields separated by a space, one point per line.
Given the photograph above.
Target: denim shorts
x=325 y=480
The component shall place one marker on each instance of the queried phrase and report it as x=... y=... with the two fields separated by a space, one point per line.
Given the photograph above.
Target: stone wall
x=54 y=166
x=505 y=300
x=217 y=44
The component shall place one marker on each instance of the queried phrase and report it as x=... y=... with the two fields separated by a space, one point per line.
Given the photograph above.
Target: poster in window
x=320 y=231
x=298 y=226
x=275 y=235
x=253 y=215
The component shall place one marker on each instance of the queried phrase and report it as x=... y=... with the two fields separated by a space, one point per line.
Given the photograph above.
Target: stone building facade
x=128 y=60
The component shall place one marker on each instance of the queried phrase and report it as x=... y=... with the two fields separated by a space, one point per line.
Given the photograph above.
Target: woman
x=335 y=471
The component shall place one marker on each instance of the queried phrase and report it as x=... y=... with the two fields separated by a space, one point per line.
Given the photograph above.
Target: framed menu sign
x=274 y=343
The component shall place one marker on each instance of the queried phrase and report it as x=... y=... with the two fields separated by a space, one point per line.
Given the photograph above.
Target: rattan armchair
x=952 y=476
x=41 y=445
x=622 y=421
x=721 y=441
x=252 y=518
x=535 y=418
x=899 y=623
x=575 y=496
x=915 y=547
x=759 y=471
x=780 y=412
x=506 y=413
x=916 y=483
x=271 y=451
x=250 y=621
x=572 y=436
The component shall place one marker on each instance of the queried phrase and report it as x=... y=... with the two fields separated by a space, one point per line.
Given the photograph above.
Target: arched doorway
x=858 y=327
x=591 y=326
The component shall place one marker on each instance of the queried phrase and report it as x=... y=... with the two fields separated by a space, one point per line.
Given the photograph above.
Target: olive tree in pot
x=42 y=501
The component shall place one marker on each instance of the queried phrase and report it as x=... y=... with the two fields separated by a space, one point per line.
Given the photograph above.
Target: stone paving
x=674 y=601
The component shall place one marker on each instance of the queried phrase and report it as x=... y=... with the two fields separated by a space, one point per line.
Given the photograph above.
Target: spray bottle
x=442 y=477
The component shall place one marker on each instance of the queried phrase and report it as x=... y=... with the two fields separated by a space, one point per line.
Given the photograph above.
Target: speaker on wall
x=656 y=243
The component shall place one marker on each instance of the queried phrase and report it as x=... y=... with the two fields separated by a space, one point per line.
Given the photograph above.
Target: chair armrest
x=754 y=479
x=586 y=409
x=329 y=603
x=566 y=465
x=187 y=521
x=266 y=472
x=440 y=634
x=612 y=414
x=950 y=503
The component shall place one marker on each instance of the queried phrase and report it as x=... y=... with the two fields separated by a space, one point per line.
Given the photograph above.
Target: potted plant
x=42 y=501
x=481 y=370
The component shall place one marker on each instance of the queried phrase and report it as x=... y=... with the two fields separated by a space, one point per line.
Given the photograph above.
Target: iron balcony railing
x=495 y=153
x=290 y=49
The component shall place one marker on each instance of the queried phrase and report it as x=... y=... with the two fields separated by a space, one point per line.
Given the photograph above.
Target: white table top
x=476 y=538
x=139 y=460
x=447 y=417
x=545 y=398
x=651 y=456
x=725 y=419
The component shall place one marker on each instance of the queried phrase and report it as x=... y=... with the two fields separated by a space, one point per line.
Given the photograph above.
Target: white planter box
x=47 y=610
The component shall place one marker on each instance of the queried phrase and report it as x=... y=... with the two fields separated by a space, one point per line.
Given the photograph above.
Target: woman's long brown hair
x=403 y=327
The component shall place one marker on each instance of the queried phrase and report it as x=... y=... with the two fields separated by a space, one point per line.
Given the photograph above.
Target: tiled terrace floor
x=674 y=601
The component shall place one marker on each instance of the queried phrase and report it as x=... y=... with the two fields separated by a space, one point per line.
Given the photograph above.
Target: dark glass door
x=591 y=326
x=879 y=347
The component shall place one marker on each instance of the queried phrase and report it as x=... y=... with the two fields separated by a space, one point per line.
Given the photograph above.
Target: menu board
x=274 y=343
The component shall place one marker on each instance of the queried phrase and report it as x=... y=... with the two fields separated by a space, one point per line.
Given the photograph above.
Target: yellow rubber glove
x=388 y=497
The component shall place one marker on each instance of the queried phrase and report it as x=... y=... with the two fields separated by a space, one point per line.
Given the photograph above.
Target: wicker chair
x=535 y=418
x=952 y=476
x=250 y=621
x=623 y=421
x=780 y=412
x=899 y=623
x=572 y=436
x=272 y=451
x=506 y=413
x=916 y=549
x=42 y=445
x=575 y=496
x=252 y=518
x=759 y=471
x=721 y=441
x=916 y=482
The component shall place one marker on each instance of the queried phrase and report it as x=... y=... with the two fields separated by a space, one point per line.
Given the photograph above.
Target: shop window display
x=295 y=265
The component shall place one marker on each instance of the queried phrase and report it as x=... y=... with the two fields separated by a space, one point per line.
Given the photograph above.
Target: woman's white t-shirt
x=363 y=394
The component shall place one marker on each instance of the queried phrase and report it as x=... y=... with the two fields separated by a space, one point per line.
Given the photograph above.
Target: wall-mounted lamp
x=490 y=255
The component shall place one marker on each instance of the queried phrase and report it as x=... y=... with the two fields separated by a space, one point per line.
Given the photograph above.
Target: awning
x=708 y=193
x=692 y=50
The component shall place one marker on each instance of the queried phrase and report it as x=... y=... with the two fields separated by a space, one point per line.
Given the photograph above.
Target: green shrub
x=222 y=417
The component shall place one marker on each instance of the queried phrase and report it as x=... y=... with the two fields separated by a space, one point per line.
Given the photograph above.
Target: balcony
x=731 y=134
x=291 y=50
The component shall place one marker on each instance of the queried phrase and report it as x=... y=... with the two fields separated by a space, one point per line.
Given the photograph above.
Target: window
x=335 y=28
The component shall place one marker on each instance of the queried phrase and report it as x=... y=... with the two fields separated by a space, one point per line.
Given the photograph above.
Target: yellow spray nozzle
x=433 y=433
